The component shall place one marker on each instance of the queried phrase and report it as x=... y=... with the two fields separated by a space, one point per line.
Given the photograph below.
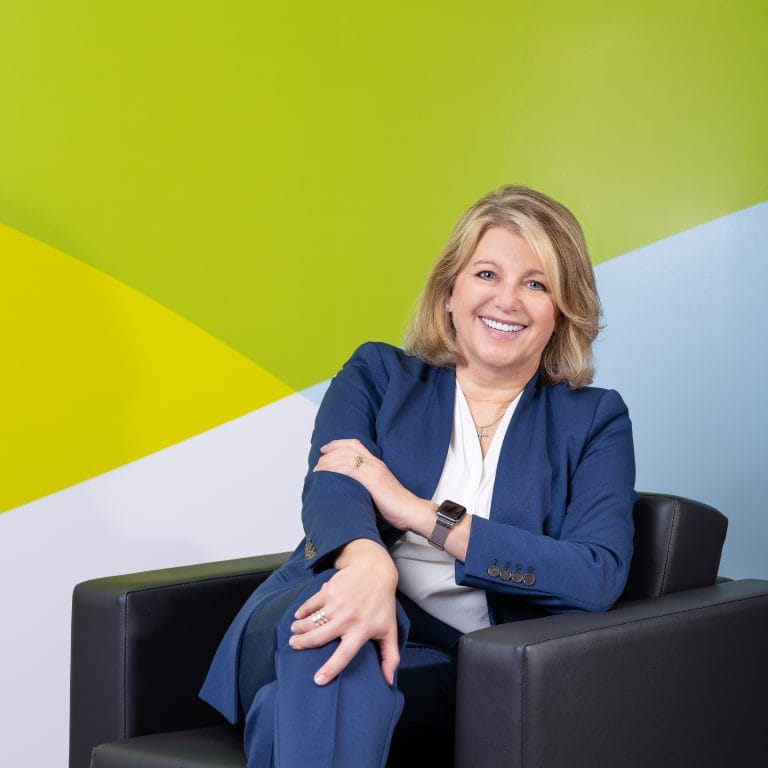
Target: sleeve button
x=506 y=574
x=517 y=577
x=529 y=579
x=493 y=571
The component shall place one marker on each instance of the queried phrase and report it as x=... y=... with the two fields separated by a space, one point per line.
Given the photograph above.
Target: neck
x=489 y=389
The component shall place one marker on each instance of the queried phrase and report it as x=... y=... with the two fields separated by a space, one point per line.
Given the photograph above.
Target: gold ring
x=358 y=461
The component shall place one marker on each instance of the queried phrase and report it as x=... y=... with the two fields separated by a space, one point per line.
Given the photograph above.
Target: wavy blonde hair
x=556 y=238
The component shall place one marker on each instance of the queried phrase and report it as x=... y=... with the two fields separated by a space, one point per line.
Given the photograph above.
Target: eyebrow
x=490 y=262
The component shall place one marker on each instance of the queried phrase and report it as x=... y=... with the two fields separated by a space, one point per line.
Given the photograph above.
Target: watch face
x=452 y=510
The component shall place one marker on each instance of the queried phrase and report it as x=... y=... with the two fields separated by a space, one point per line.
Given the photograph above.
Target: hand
x=395 y=503
x=359 y=602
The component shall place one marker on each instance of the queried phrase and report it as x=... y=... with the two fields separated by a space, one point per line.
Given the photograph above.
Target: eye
x=535 y=285
x=486 y=274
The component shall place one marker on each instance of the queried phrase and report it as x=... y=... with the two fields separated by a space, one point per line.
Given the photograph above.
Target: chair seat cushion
x=219 y=746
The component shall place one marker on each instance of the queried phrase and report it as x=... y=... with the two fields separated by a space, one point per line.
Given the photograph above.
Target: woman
x=469 y=480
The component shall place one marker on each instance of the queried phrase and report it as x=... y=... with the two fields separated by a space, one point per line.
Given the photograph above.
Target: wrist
x=448 y=516
x=366 y=551
x=424 y=518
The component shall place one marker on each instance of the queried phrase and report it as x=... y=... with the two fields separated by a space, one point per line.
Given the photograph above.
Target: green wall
x=261 y=188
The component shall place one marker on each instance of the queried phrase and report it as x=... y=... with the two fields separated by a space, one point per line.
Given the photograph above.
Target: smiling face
x=502 y=309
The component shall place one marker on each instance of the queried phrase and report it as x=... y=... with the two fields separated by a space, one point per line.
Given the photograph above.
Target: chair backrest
x=678 y=543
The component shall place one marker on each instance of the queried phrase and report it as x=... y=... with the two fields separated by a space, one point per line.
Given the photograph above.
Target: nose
x=508 y=298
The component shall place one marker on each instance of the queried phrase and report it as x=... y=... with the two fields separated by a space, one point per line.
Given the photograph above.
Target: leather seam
x=667 y=557
x=194 y=582
x=699 y=609
x=124 y=632
x=524 y=666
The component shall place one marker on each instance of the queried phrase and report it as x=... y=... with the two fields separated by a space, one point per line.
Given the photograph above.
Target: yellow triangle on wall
x=95 y=374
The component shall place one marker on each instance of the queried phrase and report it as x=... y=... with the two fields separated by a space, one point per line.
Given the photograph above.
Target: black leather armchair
x=675 y=675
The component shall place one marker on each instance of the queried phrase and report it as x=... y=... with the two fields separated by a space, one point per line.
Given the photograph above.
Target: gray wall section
x=685 y=345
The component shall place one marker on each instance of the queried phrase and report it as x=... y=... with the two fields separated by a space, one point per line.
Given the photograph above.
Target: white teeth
x=497 y=326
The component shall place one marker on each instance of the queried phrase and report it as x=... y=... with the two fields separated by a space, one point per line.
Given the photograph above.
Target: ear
x=449 y=300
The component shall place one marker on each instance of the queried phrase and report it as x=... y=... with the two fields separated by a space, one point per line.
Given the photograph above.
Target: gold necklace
x=481 y=433
x=480 y=429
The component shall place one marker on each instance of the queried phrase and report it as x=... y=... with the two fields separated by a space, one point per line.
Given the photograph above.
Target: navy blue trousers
x=290 y=722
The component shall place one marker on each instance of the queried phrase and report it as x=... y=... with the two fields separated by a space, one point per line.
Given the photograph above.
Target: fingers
x=344 y=456
x=311 y=615
x=309 y=634
x=312 y=604
x=355 y=605
x=390 y=655
x=351 y=444
x=317 y=620
x=348 y=647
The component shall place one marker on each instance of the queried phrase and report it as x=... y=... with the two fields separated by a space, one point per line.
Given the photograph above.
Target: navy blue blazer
x=559 y=535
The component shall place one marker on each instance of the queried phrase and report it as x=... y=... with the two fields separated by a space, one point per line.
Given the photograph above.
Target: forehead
x=504 y=248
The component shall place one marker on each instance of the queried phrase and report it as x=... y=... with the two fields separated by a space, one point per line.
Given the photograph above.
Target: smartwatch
x=448 y=514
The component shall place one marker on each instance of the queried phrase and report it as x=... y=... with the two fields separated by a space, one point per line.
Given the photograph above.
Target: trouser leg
x=348 y=723
x=259 y=733
x=427 y=678
x=256 y=665
x=427 y=672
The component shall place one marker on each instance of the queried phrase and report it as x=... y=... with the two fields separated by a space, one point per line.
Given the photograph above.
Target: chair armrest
x=677 y=680
x=141 y=646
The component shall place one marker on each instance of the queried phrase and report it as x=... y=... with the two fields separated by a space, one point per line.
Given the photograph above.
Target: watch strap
x=447 y=515
x=440 y=532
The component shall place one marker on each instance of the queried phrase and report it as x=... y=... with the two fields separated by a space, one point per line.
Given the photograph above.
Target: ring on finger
x=358 y=461
x=319 y=617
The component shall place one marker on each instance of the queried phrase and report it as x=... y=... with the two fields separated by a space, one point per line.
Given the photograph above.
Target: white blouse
x=427 y=574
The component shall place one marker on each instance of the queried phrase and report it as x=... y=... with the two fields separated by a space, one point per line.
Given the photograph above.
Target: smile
x=505 y=327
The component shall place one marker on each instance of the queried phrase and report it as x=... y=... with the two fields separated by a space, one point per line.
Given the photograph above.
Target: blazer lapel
x=520 y=468
x=439 y=417
x=415 y=449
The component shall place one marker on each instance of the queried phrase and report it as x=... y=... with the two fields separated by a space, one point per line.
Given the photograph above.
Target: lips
x=497 y=325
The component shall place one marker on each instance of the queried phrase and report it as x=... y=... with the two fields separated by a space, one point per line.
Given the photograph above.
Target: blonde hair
x=556 y=238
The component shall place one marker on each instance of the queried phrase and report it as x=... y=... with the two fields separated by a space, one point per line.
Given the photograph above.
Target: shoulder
x=385 y=362
x=587 y=406
x=583 y=397
x=377 y=380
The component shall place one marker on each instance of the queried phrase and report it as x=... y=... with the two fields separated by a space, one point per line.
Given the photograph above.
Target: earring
x=448 y=307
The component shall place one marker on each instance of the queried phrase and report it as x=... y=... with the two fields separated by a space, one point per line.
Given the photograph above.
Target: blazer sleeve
x=585 y=567
x=335 y=508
